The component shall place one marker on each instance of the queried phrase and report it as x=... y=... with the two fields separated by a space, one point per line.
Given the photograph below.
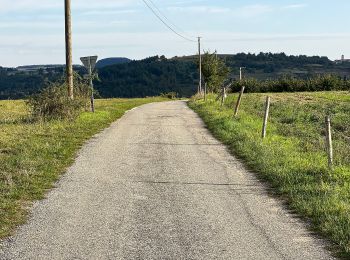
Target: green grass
x=293 y=158
x=34 y=154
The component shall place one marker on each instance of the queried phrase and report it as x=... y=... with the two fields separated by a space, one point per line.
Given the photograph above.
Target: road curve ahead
x=157 y=185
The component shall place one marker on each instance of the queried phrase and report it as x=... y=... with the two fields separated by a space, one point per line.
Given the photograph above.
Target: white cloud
x=50 y=49
x=18 y=5
x=199 y=9
x=188 y=2
x=247 y=11
x=109 y=12
x=253 y=10
x=37 y=5
x=52 y=24
x=294 y=6
x=245 y=37
x=244 y=11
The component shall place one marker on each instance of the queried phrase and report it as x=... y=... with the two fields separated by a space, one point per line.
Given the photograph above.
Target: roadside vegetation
x=53 y=102
x=326 y=82
x=293 y=156
x=35 y=152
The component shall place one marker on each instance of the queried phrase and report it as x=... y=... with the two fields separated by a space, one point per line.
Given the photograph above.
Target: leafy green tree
x=215 y=71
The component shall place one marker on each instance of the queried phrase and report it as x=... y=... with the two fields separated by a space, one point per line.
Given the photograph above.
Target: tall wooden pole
x=200 y=64
x=241 y=76
x=241 y=93
x=68 y=33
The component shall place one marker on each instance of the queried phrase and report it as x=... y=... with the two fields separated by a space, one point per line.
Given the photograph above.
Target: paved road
x=157 y=185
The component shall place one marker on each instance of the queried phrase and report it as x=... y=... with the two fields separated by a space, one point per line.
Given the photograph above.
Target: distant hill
x=148 y=77
x=37 y=67
x=111 y=61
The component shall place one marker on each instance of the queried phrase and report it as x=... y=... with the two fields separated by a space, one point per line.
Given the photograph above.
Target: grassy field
x=34 y=154
x=293 y=158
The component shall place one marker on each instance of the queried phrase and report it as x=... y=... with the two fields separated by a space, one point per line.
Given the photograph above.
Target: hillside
x=148 y=77
x=111 y=61
x=18 y=83
x=155 y=75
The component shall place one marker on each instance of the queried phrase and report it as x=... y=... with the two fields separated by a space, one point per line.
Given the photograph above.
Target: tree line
x=155 y=75
x=217 y=74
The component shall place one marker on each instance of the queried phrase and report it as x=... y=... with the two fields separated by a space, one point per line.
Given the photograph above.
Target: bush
x=53 y=102
x=291 y=84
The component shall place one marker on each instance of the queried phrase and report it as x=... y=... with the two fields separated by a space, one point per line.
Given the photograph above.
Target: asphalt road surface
x=157 y=185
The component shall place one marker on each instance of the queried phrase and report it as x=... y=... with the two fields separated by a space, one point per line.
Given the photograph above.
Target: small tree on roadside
x=215 y=71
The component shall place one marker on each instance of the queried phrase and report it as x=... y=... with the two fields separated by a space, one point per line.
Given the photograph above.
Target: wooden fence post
x=329 y=143
x=266 y=117
x=223 y=96
x=239 y=101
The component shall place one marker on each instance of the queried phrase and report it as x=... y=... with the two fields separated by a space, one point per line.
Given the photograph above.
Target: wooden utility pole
x=241 y=73
x=241 y=93
x=68 y=34
x=200 y=64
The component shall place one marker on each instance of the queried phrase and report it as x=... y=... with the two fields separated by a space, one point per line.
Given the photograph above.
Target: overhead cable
x=166 y=24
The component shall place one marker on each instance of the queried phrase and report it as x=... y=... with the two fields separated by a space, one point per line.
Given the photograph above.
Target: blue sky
x=32 y=31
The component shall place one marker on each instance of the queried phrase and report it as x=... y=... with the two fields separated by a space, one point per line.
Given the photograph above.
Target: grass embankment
x=34 y=154
x=292 y=157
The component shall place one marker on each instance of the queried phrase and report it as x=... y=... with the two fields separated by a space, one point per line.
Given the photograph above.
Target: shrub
x=292 y=84
x=53 y=102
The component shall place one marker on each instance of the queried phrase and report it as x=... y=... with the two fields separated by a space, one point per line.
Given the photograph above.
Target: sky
x=32 y=31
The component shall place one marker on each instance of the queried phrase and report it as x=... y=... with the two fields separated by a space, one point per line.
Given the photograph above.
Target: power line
x=167 y=25
x=170 y=21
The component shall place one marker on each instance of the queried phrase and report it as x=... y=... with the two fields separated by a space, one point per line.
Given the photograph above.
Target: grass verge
x=292 y=157
x=34 y=154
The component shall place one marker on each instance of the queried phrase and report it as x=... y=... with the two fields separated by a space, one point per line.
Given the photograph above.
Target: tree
x=215 y=71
